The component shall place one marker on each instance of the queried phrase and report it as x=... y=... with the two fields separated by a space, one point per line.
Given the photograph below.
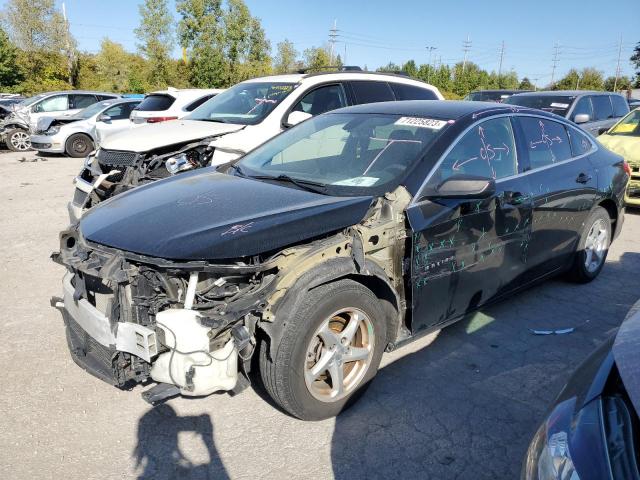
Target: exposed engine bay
x=195 y=325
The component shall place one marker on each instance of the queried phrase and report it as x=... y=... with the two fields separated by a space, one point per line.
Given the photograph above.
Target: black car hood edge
x=205 y=215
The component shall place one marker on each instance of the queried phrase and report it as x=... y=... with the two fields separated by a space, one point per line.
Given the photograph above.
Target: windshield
x=347 y=154
x=246 y=103
x=487 y=96
x=550 y=103
x=31 y=100
x=629 y=125
x=92 y=110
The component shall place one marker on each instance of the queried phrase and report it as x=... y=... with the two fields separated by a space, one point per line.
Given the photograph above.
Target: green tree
x=155 y=37
x=200 y=33
x=570 y=81
x=286 y=57
x=316 y=58
x=591 y=79
x=526 y=84
x=622 y=84
x=10 y=76
x=410 y=69
x=635 y=60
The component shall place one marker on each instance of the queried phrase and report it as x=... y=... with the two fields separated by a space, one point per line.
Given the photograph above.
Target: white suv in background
x=170 y=104
x=226 y=127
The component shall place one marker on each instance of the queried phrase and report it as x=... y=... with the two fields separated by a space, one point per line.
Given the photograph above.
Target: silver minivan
x=594 y=112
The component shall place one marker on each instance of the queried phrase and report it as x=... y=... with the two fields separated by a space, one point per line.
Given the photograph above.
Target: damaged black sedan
x=343 y=237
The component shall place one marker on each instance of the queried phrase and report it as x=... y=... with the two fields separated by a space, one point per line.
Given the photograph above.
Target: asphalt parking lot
x=460 y=405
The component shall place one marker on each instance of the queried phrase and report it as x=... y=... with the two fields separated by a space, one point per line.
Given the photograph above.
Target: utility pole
x=333 y=35
x=67 y=43
x=501 y=58
x=466 y=46
x=556 y=53
x=431 y=49
x=615 y=84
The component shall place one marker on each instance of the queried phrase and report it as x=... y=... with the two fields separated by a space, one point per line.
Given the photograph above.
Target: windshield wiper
x=217 y=120
x=308 y=185
x=238 y=170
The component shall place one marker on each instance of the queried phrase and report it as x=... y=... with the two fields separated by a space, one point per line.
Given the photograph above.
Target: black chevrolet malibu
x=592 y=431
x=343 y=237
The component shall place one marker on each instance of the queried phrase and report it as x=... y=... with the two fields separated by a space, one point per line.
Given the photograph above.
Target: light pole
x=431 y=49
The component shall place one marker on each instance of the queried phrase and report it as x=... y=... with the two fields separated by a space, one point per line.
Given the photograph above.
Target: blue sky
x=375 y=32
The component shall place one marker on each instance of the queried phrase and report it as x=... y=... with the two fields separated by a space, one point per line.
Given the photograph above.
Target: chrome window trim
x=561 y=120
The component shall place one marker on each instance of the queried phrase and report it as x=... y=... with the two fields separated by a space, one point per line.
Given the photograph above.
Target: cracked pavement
x=462 y=404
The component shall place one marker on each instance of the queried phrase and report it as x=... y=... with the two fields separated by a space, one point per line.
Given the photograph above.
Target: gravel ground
x=461 y=405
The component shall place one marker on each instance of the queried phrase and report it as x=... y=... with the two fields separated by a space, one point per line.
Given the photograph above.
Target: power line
x=501 y=58
x=555 y=61
x=466 y=47
x=333 y=35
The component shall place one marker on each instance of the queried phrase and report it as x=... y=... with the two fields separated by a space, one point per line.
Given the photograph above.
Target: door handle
x=583 y=178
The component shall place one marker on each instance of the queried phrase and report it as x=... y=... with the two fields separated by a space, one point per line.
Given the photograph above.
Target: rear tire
x=18 y=140
x=592 y=248
x=335 y=330
x=78 y=145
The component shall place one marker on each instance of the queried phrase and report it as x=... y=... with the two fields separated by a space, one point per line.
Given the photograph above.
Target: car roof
x=186 y=91
x=501 y=90
x=341 y=75
x=95 y=92
x=449 y=109
x=563 y=93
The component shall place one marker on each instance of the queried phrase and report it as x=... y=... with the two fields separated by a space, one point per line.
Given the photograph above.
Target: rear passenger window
x=487 y=151
x=371 y=92
x=583 y=106
x=82 y=101
x=580 y=144
x=412 y=92
x=602 y=107
x=191 y=107
x=547 y=141
x=620 y=106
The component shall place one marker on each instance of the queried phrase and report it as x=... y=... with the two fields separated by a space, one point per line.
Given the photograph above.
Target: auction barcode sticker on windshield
x=559 y=105
x=421 y=122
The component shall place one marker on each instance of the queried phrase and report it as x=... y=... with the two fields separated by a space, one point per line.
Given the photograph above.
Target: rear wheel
x=593 y=247
x=18 y=140
x=331 y=348
x=78 y=145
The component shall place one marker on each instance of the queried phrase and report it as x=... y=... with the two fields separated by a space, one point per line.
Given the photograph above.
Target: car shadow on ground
x=466 y=406
x=158 y=455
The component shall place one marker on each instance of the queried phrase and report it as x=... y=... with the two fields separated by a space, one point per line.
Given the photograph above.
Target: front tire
x=330 y=350
x=18 y=140
x=78 y=145
x=593 y=247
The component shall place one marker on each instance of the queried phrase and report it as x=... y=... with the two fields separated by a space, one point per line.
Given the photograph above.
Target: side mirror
x=104 y=118
x=296 y=117
x=581 y=118
x=465 y=186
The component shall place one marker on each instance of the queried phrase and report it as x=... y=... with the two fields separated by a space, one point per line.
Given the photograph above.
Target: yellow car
x=624 y=139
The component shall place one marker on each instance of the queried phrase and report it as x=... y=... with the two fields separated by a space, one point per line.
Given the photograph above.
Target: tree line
x=222 y=44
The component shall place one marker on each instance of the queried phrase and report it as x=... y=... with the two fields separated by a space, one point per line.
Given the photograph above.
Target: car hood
x=626 y=352
x=205 y=215
x=164 y=134
x=628 y=147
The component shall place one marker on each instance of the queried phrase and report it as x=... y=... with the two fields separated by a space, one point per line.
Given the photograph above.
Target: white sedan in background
x=77 y=135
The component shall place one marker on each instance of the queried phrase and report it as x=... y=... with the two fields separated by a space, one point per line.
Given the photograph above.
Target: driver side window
x=53 y=104
x=321 y=100
x=487 y=150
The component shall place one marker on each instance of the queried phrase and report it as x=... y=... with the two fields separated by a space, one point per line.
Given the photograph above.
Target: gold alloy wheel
x=339 y=354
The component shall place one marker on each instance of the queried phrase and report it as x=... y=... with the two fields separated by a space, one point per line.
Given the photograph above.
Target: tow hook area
x=57 y=302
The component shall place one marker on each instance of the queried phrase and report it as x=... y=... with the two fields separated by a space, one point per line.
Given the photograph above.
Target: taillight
x=160 y=119
x=626 y=168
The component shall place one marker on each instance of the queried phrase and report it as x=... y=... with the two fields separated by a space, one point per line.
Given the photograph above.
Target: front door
x=466 y=251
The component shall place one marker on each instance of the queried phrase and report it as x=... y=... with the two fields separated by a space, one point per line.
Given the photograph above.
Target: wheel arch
x=612 y=209
x=372 y=276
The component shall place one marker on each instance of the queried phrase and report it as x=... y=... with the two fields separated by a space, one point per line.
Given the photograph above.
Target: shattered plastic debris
x=560 y=331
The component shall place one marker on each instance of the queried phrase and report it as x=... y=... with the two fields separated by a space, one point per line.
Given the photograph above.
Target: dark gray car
x=595 y=112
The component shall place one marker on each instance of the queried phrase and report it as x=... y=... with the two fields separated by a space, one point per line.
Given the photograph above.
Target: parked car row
x=311 y=222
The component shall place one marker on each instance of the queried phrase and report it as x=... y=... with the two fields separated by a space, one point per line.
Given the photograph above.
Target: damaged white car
x=227 y=126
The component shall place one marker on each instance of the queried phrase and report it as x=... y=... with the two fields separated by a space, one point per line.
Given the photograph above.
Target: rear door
x=603 y=117
x=467 y=251
x=563 y=189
